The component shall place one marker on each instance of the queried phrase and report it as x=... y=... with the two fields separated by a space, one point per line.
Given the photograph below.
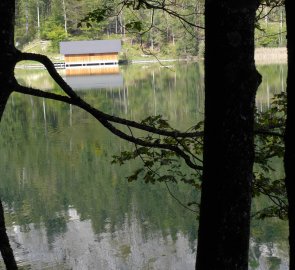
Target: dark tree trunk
x=7 y=62
x=231 y=81
x=6 y=250
x=7 y=51
x=290 y=132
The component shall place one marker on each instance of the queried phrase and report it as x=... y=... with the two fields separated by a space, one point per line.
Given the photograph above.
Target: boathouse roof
x=90 y=46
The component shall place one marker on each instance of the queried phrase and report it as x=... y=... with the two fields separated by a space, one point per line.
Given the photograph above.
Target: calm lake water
x=68 y=207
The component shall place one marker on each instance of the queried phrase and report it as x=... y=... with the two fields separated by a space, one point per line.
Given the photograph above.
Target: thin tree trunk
x=38 y=19
x=281 y=26
x=151 y=32
x=290 y=133
x=266 y=16
x=65 y=16
x=116 y=25
x=197 y=30
x=122 y=24
x=5 y=248
x=231 y=81
x=27 y=17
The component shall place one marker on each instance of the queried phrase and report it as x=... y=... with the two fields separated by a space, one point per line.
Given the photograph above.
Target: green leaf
x=134 y=26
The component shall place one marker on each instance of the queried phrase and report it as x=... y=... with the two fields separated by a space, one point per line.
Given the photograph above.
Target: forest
x=142 y=30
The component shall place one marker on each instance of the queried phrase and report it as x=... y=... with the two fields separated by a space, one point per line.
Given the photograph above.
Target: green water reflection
x=68 y=207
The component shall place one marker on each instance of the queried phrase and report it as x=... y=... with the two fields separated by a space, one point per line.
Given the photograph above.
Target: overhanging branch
x=103 y=118
x=115 y=119
x=38 y=93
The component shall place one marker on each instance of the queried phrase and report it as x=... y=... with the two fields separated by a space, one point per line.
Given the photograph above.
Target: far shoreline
x=268 y=56
x=263 y=56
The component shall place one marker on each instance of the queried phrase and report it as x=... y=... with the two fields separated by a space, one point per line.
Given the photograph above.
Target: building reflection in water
x=94 y=77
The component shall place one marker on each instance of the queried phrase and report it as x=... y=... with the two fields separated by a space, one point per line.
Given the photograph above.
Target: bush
x=55 y=33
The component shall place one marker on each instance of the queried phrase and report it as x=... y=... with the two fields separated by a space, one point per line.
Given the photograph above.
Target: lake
x=66 y=205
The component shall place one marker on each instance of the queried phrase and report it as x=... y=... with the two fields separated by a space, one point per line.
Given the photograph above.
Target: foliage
x=174 y=29
x=270 y=26
x=162 y=165
x=166 y=166
x=55 y=33
x=270 y=35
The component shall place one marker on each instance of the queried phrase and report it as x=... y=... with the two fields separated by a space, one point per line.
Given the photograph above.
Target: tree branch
x=268 y=133
x=82 y=104
x=102 y=117
x=160 y=5
x=166 y=183
x=38 y=93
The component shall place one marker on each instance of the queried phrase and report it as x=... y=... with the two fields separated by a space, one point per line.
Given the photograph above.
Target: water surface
x=68 y=207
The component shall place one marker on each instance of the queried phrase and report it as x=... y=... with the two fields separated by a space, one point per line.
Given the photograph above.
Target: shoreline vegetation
x=263 y=56
x=147 y=37
x=266 y=56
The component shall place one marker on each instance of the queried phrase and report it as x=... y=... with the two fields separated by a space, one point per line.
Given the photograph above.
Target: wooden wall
x=92 y=70
x=88 y=58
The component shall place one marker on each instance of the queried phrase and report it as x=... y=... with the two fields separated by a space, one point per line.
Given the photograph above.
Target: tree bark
x=231 y=81
x=7 y=51
x=290 y=133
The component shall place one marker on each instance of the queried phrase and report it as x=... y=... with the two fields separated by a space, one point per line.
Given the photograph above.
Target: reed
x=265 y=56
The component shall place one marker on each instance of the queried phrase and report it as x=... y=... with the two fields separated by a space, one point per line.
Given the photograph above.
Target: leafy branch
x=107 y=11
x=163 y=150
x=166 y=166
